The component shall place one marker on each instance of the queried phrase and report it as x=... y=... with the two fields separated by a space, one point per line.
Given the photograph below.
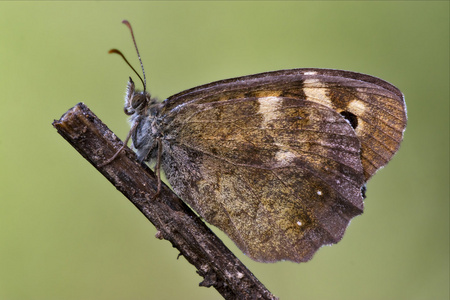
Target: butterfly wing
x=281 y=177
x=375 y=108
x=274 y=165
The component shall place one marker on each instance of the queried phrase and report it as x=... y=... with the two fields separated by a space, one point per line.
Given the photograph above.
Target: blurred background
x=66 y=233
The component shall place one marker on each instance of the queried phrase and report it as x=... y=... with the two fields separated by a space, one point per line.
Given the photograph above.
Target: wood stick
x=173 y=219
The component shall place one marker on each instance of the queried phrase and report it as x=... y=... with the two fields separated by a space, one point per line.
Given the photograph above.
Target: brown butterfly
x=277 y=160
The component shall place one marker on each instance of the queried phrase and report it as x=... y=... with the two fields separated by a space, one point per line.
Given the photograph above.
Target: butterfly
x=277 y=160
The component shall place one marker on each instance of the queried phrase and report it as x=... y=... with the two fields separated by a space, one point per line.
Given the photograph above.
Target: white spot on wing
x=299 y=223
x=357 y=107
x=311 y=73
x=285 y=157
x=316 y=91
x=268 y=107
x=319 y=192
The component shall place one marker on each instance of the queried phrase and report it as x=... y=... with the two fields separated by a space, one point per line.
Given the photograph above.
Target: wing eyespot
x=351 y=118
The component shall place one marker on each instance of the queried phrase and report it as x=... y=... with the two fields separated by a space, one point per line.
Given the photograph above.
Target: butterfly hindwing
x=281 y=176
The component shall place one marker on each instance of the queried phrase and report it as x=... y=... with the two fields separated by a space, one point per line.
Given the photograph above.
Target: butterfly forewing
x=377 y=107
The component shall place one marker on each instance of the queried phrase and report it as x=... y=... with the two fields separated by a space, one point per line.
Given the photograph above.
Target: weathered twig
x=173 y=219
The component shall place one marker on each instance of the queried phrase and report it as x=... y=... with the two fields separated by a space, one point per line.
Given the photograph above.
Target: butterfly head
x=136 y=101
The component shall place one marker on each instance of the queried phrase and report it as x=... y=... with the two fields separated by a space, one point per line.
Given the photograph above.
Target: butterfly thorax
x=143 y=111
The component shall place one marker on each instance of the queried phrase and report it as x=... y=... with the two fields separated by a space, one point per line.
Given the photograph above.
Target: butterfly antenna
x=144 y=82
x=123 y=56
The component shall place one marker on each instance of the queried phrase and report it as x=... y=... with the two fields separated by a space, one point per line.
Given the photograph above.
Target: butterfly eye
x=350 y=118
x=137 y=100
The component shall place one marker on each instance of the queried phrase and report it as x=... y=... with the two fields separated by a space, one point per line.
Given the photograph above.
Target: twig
x=173 y=219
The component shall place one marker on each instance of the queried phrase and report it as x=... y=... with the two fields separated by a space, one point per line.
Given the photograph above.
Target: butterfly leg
x=158 y=167
x=108 y=161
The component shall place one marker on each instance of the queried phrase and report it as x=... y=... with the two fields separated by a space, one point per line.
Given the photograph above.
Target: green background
x=66 y=233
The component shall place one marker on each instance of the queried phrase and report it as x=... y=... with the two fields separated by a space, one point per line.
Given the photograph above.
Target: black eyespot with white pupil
x=351 y=118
